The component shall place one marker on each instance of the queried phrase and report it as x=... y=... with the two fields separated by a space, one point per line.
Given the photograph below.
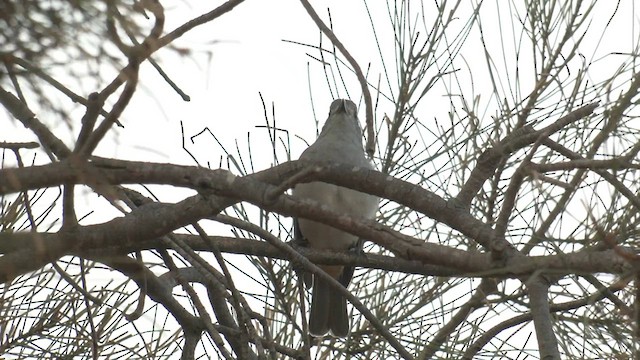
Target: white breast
x=339 y=199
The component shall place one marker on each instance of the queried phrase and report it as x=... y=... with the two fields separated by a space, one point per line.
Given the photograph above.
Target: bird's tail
x=328 y=310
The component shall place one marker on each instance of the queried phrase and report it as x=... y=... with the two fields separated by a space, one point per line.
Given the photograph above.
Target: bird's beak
x=343 y=107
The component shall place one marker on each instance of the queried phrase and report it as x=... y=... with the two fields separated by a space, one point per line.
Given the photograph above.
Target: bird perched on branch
x=341 y=142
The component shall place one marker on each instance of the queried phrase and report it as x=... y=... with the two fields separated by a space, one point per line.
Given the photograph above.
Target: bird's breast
x=339 y=199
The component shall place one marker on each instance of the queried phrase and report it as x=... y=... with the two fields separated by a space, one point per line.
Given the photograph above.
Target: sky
x=248 y=57
x=257 y=50
x=249 y=52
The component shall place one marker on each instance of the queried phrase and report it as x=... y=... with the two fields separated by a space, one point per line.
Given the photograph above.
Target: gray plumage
x=341 y=142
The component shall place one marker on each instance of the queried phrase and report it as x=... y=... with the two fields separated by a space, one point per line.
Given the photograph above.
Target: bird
x=340 y=141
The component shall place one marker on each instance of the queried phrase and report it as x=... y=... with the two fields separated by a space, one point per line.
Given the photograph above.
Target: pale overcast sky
x=250 y=57
x=242 y=54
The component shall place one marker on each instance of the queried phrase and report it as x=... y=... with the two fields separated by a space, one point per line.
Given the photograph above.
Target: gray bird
x=341 y=142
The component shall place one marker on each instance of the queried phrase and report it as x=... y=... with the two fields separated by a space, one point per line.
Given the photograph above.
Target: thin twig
x=370 y=148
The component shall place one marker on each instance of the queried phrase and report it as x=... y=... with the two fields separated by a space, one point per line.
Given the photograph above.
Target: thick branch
x=541 y=313
x=224 y=183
